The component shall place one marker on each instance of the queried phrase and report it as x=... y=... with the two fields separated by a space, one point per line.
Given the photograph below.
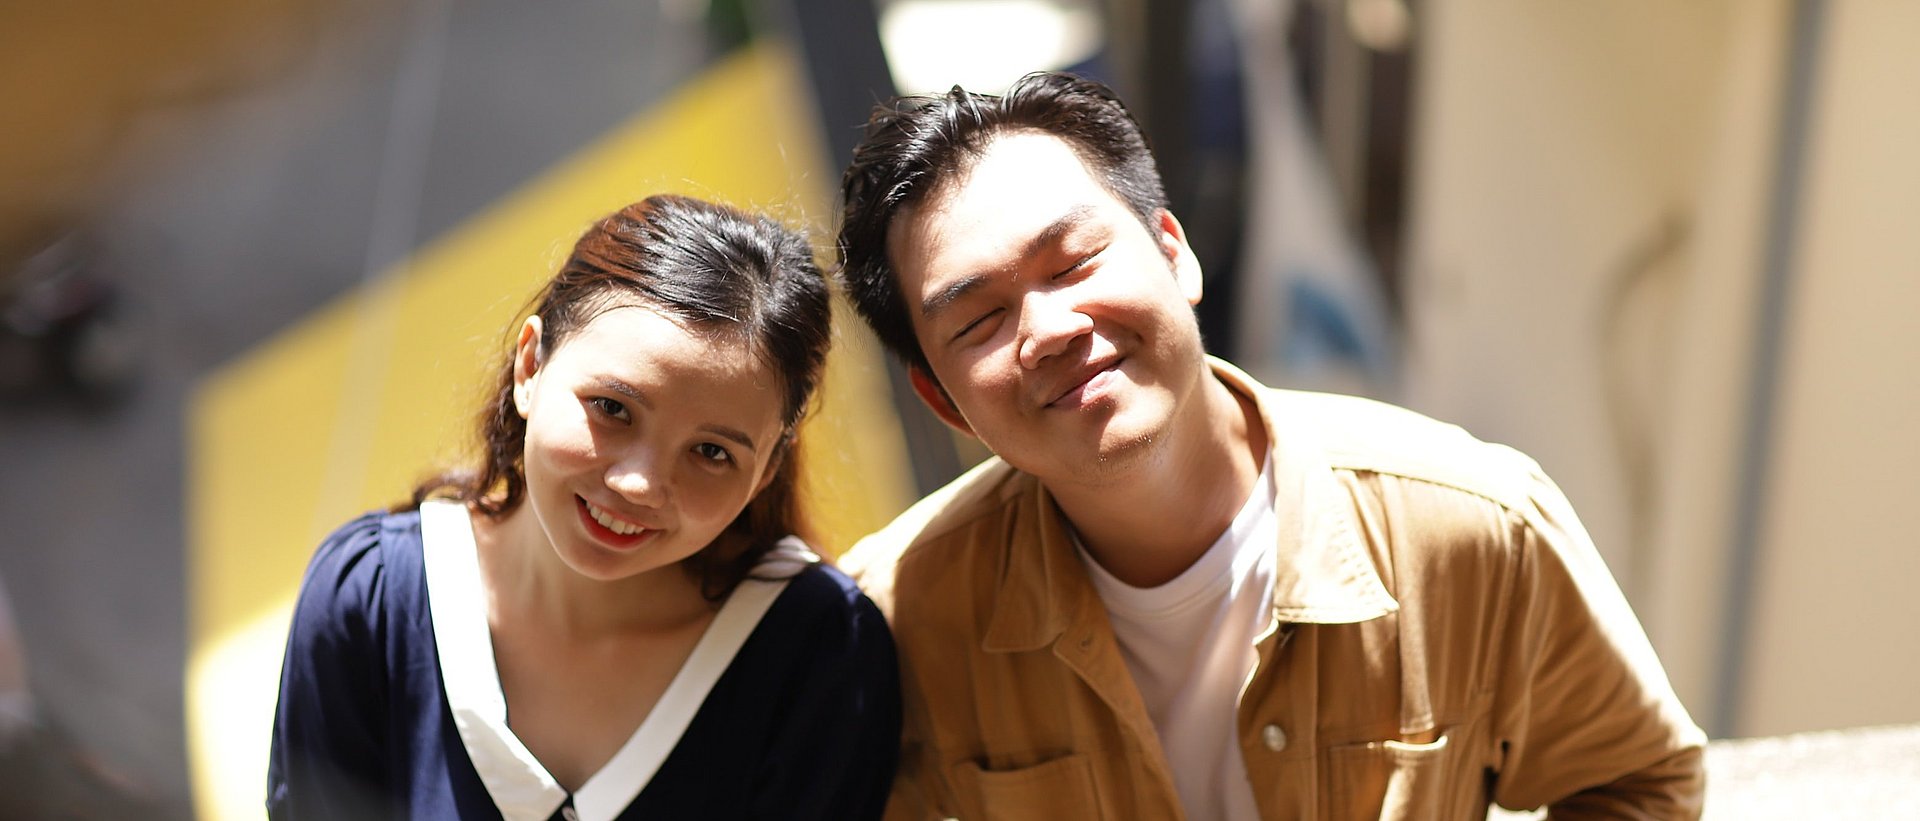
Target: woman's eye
x=713 y=453
x=608 y=407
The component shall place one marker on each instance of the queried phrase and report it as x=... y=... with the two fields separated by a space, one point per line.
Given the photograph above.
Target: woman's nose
x=642 y=479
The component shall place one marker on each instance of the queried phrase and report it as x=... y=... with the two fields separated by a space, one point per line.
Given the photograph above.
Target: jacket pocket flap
x=1057 y=788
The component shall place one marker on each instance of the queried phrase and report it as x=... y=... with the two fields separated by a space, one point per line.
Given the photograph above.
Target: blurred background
x=255 y=258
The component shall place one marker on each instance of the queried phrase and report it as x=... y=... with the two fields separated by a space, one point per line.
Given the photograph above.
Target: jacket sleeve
x=1585 y=719
x=835 y=758
x=329 y=750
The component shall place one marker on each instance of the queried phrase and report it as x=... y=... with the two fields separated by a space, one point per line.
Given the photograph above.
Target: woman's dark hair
x=913 y=144
x=711 y=266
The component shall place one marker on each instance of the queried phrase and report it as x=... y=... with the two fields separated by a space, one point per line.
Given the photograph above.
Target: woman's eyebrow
x=621 y=387
x=733 y=434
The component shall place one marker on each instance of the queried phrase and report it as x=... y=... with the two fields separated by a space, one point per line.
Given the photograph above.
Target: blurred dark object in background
x=65 y=330
x=44 y=774
x=77 y=80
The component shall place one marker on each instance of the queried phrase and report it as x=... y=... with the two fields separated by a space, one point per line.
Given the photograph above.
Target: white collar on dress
x=521 y=787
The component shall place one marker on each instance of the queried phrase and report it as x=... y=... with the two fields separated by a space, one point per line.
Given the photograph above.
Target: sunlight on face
x=646 y=437
x=1061 y=328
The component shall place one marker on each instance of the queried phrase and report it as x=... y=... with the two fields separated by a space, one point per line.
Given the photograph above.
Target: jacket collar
x=1324 y=572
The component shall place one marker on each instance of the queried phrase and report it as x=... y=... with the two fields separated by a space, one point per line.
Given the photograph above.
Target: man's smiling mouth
x=1088 y=381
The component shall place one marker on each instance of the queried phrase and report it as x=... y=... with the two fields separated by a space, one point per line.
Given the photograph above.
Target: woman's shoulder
x=368 y=544
x=822 y=633
x=822 y=601
x=825 y=586
x=359 y=561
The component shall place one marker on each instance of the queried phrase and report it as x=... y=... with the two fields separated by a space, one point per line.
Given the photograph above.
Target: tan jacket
x=1443 y=634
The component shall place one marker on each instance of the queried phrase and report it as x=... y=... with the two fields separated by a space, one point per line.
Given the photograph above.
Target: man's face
x=1061 y=328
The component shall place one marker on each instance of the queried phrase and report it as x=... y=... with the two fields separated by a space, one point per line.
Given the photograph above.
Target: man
x=1179 y=593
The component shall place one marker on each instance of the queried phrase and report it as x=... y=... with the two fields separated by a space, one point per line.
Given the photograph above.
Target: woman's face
x=645 y=438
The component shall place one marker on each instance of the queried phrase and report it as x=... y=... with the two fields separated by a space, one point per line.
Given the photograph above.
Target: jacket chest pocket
x=1054 y=789
x=1400 y=779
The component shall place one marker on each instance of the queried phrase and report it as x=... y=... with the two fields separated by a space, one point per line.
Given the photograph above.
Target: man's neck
x=1159 y=520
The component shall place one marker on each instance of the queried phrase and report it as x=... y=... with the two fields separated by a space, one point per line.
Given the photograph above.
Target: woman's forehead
x=635 y=334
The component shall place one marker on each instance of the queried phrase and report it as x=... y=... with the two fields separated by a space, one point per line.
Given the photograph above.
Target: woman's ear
x=773 y=468
x=527 y=359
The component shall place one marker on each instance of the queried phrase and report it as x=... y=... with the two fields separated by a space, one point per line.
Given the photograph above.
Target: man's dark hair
x=914 y=144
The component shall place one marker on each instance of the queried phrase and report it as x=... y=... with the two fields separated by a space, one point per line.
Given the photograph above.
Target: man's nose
x=1049 y=323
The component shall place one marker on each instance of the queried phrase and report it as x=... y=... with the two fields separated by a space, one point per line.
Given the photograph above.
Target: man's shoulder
x=1456 y=502
x=935 y=530
x=1370 y=436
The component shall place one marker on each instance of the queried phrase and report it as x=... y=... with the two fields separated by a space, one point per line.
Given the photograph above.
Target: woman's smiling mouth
x=610 y=528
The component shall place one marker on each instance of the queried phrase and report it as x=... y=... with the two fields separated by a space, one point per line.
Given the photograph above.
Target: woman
x=609 y=618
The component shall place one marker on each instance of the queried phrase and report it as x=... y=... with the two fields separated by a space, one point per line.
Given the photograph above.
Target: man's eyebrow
x=936 y=303
x=945 y=297
x=1067 y=222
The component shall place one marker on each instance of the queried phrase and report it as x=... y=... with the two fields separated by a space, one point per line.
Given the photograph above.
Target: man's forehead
x=1015 y=185
x=907 y=234
x=1009 y=163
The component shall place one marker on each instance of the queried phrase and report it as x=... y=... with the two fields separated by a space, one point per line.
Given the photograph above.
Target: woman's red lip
x=618 y=541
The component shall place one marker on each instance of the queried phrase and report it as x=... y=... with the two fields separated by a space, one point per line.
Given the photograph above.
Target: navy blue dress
x=803 y=723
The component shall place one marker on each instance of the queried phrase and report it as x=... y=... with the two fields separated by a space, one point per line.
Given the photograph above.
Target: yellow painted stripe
x=343 y=412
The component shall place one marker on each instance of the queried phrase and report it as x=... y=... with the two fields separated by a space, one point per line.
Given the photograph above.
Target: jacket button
x=1274 y=737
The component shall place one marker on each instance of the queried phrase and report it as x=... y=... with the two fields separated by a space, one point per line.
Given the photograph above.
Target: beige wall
x=1832 y=644
x=1704 y=402
x=1546 y=155
x=1563 y=146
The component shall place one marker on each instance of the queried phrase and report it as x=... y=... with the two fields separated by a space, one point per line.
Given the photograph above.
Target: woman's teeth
x=608 y=521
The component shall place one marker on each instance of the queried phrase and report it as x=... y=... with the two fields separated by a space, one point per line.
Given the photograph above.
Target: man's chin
x=1122 y=450
x=1109 y=459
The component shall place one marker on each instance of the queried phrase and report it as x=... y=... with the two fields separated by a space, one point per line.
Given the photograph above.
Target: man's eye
x=713 y=453
x=1077 y=265
x=969 y=327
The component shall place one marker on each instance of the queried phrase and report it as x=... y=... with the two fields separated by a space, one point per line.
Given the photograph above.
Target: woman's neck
x=527 y=582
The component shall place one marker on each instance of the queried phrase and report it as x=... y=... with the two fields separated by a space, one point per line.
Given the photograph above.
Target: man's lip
x=1080 y=380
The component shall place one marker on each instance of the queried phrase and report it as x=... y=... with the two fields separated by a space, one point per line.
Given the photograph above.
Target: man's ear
x=936 y=398
x=1173 y=245
x=527 y=359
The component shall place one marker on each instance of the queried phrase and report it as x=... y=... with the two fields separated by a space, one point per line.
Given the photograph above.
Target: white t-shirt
x=1189 y=644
